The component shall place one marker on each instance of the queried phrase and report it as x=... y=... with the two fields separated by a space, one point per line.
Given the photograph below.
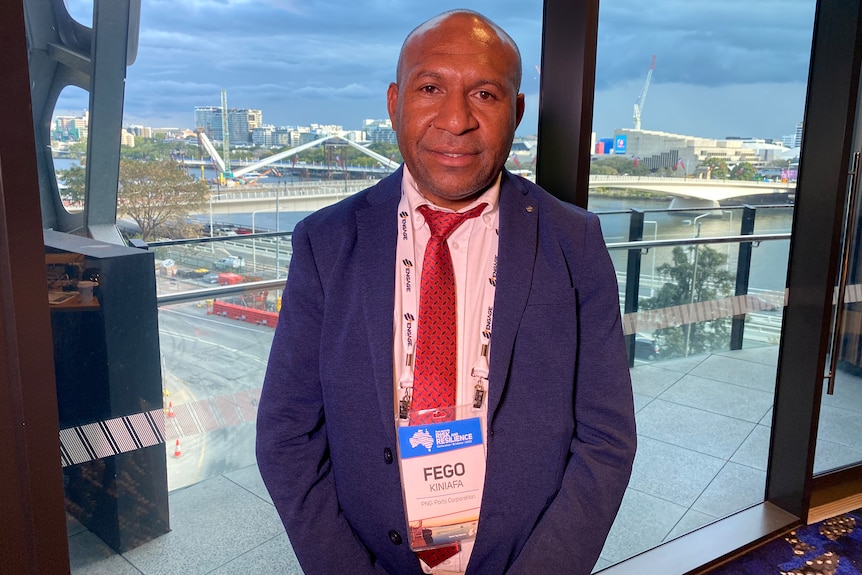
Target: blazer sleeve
x=292 y=445
x=570 y=534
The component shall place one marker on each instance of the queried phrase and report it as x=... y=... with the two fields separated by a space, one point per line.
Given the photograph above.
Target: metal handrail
x=206 y=240
x=247 y=287
x=754 y=238
x=207 y=293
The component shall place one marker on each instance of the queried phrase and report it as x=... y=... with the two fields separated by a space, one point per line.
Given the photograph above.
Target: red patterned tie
x=436 y=364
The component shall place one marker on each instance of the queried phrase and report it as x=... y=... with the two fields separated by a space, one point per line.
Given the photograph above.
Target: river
x=769 y=259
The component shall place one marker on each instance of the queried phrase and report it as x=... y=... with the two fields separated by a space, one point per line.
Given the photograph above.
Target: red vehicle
x=229 y=279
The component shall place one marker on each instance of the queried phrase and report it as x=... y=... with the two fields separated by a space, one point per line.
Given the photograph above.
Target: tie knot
x=442 y=224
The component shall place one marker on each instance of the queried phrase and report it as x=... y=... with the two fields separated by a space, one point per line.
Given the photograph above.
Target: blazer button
x=387 y=456
x=395 y=537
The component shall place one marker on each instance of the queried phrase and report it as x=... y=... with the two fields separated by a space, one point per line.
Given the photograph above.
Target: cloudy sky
x=730 y=68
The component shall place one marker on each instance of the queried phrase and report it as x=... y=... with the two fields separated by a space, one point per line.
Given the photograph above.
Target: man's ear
x=392 y=103
x=519 y=109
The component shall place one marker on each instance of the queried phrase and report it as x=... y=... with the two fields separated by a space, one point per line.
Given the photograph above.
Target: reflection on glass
x=677 y=137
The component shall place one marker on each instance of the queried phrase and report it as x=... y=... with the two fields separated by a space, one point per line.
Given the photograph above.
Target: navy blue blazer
x=561 y=432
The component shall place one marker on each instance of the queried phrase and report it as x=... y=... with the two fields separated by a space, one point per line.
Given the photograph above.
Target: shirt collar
x=415 y=199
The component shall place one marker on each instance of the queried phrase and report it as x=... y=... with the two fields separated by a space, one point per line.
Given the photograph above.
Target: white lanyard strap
x=409 y=284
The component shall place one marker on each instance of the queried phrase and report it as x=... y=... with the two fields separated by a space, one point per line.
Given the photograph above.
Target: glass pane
x=69 y=130
x=282 y=76
x=684 y=141
x=841 y=411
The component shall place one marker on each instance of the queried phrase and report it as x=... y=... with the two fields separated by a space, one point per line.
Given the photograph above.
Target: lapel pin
x=529 y=209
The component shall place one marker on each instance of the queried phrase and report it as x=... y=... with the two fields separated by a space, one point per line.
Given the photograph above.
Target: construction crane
x=639 y=105
x=225 y=138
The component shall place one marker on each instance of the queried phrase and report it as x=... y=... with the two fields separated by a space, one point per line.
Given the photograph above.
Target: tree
x=717 y=168
x=743 y=171
x=158 y=196
x=75 y=181
x=618 y=164
x=153 y=149
x=705 y=269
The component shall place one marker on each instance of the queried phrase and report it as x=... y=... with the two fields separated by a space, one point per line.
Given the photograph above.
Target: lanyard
x=409 y=316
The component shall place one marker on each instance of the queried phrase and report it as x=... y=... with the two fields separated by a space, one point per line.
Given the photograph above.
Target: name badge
x=442 y=477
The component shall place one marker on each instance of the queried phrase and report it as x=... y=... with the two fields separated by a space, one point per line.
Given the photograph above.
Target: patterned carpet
x=832 y=547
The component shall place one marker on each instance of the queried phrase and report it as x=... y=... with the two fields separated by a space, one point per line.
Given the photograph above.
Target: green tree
x=78 y=149
x=717 y=168
x=158 y=196
x=602 y=169
x=74 y=180
x=152 y=149
x=702 y=270
x=743 y=171
x=622 y=165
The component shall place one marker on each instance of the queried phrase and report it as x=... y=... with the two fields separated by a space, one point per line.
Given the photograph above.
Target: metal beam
x=569 y=36
x=110 y=42
x=830 y=111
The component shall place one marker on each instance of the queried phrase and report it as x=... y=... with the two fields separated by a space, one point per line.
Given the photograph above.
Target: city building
x=379 y=132
x=240 y=122
x=70 y=128
x=658 y=150
x=127 y=138
x=263 y=136
x=141 y=131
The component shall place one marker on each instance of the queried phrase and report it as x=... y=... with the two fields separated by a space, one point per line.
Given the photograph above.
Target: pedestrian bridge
x=311 y=196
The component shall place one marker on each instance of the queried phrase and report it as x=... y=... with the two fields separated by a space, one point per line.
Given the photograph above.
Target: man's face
x=455 y=109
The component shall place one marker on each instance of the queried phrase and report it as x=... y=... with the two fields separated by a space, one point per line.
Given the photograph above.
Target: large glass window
x=219 y=95
x=698 y=123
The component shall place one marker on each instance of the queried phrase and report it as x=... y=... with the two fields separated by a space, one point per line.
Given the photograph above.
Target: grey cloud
x=329 y=61
x=705 y=43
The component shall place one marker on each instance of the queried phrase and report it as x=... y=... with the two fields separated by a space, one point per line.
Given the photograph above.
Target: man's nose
x=456 y=115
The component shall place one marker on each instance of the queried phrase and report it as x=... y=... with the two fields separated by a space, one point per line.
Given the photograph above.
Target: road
x=212 y=367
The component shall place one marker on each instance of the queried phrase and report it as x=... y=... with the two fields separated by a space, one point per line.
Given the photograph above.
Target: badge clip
x=478 y=396
x=404 y=405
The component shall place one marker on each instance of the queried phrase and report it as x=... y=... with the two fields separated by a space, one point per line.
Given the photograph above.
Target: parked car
x=646 y=349
x=230 y=263
x=210 y=278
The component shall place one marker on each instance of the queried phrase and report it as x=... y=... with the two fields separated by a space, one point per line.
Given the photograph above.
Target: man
x=559 y=435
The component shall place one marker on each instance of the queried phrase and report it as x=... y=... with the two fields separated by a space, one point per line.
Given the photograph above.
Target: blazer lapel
x=375 y=249
x=519 y=214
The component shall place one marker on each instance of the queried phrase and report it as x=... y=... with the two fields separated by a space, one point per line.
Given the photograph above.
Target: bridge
x=691 y=192
x=311 y=196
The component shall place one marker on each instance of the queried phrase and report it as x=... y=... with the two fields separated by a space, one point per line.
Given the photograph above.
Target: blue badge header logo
x=417 y=440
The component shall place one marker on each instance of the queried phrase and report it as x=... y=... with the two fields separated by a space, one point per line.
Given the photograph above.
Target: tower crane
x=225 y=137
x=639 y=105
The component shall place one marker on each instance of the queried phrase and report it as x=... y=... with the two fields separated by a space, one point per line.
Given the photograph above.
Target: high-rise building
x=380 y=132
x=127 y=139
x=798 y=135
x=70 y=128
x=240 y=121
x=255 y=119
x=208 y=118
x=263 y=136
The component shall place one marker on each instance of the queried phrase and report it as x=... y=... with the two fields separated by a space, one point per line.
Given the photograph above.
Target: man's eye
x=485 y=95
x=429 y=89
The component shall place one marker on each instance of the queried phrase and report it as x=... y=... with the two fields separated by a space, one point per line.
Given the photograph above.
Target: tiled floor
x=703 y=425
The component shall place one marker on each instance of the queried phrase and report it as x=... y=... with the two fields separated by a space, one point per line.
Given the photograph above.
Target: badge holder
x=442 y=462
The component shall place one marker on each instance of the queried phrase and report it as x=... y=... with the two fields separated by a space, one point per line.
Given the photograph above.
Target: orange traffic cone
x=171 y=409
x=177 y=451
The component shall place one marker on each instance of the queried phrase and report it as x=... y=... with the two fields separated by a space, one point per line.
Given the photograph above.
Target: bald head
x=456 y=105
x=471 y=24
